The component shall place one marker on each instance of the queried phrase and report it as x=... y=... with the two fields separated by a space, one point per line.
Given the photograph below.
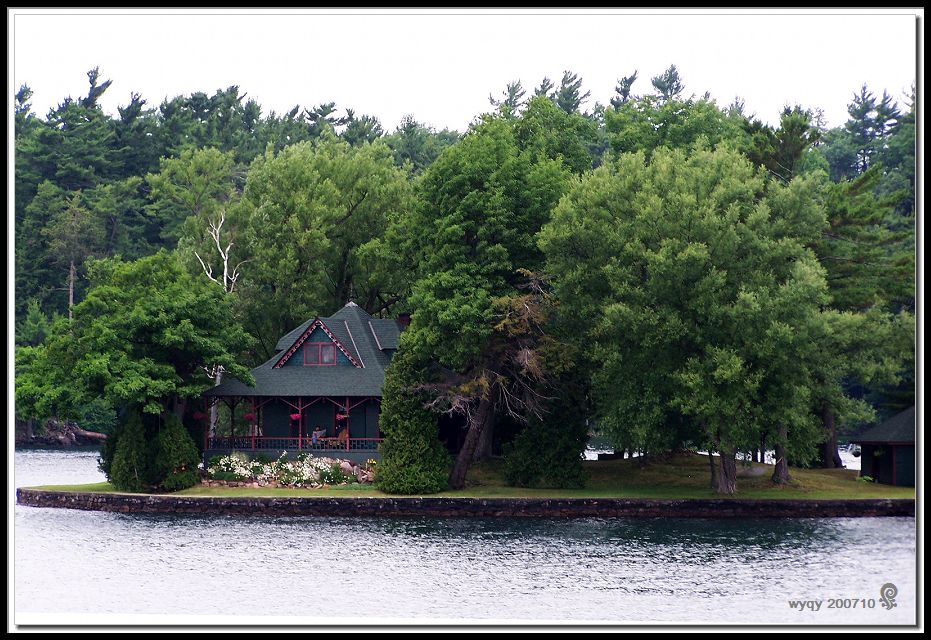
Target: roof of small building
x=899 y=429
x=367 y=341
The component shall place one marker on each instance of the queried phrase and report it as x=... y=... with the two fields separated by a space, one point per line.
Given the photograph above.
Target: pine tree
x=569 y=97
x=623 y=90
x=668 y=85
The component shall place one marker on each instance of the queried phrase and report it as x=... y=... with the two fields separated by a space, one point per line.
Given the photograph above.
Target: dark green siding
x=318 y=335
x=371 y=417
x=320 y=413
x=275 y=420
x=905 y=465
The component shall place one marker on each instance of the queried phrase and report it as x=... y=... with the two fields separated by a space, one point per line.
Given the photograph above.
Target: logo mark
x=887 y=594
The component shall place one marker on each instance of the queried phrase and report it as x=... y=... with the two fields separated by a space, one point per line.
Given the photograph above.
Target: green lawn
x=678 y=476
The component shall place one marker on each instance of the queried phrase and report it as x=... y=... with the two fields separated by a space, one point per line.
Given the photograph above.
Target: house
x=888 y=450
x=327 y=375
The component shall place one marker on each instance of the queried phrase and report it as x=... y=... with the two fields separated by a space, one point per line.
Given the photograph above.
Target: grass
x=676 y=476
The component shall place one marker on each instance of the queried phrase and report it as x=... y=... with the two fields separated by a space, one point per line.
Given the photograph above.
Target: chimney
x=404 y=319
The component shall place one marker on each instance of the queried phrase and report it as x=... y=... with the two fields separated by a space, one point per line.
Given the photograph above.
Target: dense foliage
x=659 y=270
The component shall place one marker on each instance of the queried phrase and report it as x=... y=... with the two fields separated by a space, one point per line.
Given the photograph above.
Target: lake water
x=71 y=567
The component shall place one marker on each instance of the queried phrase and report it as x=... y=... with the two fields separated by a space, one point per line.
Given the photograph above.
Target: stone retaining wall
x=465 y=507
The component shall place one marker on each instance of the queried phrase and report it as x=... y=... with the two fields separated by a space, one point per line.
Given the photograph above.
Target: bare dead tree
x=227 y=280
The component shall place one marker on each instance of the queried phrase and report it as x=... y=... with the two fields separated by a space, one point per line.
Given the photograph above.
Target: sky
x=441 y=65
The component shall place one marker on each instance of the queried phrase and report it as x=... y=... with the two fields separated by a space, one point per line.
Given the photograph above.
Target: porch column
x=347 y=423
x=206 y=423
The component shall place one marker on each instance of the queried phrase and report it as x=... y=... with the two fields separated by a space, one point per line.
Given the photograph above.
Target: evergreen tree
x=512 y=99
x=569 y=97
x=668 y=85
x=623 y=89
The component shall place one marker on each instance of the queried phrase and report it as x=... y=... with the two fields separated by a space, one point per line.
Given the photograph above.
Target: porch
x=345 y=428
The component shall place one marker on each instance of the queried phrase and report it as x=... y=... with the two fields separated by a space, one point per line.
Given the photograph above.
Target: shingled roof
x=367 y=341
x=899 y=429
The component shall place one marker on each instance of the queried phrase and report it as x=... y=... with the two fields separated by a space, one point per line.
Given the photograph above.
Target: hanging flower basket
x=295 y=416
x=341 y=416
x=198 y=415
x=249 y=416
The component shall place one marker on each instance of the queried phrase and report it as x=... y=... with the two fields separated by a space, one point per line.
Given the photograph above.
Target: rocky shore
x=57 y=434
x=465 y=507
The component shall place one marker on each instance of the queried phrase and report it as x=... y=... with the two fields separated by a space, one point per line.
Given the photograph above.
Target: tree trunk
x=714 y=470
x=484 y=446
x=71 y=277
x=830 y=456
x=477 y=424
x=727 y=478
x=30 y=429
x=763 y=448
x=781 y=472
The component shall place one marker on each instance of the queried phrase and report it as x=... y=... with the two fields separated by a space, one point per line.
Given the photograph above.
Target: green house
x=887 y=452
x=320 y=393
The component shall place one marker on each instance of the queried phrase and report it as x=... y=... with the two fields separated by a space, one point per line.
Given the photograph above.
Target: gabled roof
x=342 y=345
x=358 y=335
x=899 y=429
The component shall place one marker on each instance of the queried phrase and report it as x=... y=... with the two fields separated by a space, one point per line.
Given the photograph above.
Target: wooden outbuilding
x=887 y=451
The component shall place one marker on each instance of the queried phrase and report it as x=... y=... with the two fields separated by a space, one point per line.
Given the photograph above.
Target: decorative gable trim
x=303 y=337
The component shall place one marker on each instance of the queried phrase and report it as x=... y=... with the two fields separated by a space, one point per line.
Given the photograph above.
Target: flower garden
x=236 y=469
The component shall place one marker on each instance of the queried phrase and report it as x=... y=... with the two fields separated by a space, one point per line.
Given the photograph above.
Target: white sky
x=441 y=67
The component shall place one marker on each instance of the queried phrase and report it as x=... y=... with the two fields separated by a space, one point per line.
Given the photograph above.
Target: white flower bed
x=306 y=470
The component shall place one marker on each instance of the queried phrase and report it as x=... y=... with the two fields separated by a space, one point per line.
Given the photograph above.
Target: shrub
x=864 y=479
x=333 y=475
x=177 y=458
x=128 y=471
x=548 y=453
x=413 y=458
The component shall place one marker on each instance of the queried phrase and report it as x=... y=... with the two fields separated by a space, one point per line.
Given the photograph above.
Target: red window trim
x=318 y=347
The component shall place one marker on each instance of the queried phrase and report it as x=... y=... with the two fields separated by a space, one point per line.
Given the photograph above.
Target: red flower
x=295 y=416
x=249 y=416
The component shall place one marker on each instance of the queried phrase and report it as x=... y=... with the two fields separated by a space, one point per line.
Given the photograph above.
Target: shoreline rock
x=58 y=435
x=412 y=506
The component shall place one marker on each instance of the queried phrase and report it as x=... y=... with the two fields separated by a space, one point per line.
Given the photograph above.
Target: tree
x=647 y=123
x=782 y=151
x=668 y=85
x=623 y=89
x=861 y=127
x=512 y=99
x=547 y=131
x=682 y=274
x=481 y=203
x=569 y=97
x=362 y=129
x=31 y=331
x=198 y=183
x=545 y=89
x=309 y=210
x=418 y=145
x=144 y=335
x=74 y=234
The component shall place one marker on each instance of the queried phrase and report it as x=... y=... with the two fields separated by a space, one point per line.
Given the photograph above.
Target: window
x=319 y=353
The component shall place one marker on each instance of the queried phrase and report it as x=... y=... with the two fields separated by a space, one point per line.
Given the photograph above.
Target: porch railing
x=305 y=443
